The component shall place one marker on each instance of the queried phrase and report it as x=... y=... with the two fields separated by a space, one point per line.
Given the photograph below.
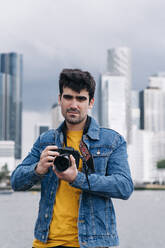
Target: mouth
x=73 y=112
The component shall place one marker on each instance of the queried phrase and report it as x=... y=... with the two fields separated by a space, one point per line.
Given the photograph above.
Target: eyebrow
x=78 y=98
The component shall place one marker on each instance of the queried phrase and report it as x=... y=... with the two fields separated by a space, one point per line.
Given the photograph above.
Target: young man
x=76 y=209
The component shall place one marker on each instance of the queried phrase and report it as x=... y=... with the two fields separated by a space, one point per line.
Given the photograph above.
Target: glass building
x=119 y=63
x=11 y=99
x=113 y=103
x=2 y=84
x=158 y=80
x=5 y=106
x=152 y=114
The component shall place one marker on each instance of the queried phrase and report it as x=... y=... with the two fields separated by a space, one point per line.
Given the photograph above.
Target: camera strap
x=87 y=158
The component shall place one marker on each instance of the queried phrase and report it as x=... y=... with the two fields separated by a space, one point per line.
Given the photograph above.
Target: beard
x=72 y=118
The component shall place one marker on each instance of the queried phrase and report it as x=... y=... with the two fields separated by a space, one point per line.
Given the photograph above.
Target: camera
x=62 y=162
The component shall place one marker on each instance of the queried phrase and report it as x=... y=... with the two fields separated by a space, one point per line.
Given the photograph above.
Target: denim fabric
x=112 y=179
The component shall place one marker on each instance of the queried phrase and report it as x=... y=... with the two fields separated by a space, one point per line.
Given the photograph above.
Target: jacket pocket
x=100 y=157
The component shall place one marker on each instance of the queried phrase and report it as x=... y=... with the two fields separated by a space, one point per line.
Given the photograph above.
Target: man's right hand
x=46 y=159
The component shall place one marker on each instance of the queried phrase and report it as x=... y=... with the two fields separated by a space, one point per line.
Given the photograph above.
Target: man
x=75 y=209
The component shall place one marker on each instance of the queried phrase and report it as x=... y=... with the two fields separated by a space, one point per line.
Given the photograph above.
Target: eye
x=81 y=98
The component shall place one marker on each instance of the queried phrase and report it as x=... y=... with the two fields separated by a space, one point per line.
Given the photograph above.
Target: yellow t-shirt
x=63 y=228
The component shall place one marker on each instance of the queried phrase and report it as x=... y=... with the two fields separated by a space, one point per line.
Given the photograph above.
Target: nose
x=73 y=103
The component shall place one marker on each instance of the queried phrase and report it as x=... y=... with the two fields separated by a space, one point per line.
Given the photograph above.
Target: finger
x=49 y=164
x=72 y=158
x=51 y=153
x=50 y=158
x=51 y=148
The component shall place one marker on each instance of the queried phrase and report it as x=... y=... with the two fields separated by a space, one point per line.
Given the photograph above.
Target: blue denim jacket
x=112 y=179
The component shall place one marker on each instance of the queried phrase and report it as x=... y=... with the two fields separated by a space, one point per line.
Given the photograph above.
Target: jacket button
x=43 y=236
x=83 y=243
x=46 y=216
x=98 y=152
x=81 y=221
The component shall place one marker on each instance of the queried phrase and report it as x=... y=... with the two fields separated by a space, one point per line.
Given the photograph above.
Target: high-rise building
x=135 y=108
x=119 y=63
x=11 y=97
x=152 y=118
x=152 y=114
x=5 y=106
x=2 y=102
x=113 y=103
x=7 y=154
x=158 y=153
x=35 y=123
x=146 y=149
x=57 y=117
x=141 y=156
x=40 y=128
x=158 y=80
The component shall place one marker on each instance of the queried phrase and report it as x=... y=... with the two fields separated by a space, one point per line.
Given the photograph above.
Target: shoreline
x=136 y=187
x=149 y=187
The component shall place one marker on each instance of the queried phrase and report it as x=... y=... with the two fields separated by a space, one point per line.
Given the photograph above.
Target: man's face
x=74 y=105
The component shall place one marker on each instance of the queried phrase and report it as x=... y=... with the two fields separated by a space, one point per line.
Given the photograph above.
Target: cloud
x=55 y=34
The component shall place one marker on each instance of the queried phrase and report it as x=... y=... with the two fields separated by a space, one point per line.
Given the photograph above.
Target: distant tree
x=4 y=172
x=161 y=164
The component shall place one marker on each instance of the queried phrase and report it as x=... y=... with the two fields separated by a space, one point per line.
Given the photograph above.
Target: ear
x=91 y=103
x=59 y=99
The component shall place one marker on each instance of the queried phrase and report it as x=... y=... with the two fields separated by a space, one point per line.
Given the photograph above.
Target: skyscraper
x=5 y=106
x=135 y=108
x=56 y=115
x=113 y=103
x=41 y=128
x=11 y=97
x=152 y=102
x=119 y=63
x=152 y=118
x=158 y=80
x=2 y=102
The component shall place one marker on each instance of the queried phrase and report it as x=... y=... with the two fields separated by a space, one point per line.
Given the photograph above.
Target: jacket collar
x=93 y=130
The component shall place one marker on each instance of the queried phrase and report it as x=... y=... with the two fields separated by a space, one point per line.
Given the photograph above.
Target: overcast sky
x=53 y=34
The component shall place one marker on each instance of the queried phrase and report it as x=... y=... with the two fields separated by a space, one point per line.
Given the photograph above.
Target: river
x=141 y=219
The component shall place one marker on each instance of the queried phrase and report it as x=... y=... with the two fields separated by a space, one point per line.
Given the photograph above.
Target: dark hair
x=77 y=80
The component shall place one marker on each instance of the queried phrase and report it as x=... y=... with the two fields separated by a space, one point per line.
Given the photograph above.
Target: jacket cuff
x=79 y=180
x=34 y=174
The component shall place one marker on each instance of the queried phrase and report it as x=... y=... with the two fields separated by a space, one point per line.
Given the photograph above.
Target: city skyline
x=53 y=35
x=113 y=89
x=119 y=63
x=11 y=70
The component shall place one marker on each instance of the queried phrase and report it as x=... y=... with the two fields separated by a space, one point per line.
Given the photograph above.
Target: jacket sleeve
x=24 y=176
x=117 y=182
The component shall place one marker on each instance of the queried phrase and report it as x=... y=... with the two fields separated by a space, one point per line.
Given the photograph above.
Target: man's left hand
x=69 y=174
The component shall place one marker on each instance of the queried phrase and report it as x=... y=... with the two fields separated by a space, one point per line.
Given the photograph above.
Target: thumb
x=72 y=159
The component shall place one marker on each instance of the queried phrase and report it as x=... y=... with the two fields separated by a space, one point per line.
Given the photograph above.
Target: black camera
x=62 y=162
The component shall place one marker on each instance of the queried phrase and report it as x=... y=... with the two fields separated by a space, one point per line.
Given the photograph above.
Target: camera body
x=62 y=162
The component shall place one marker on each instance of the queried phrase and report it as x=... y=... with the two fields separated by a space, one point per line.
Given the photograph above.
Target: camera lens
x=62 y=162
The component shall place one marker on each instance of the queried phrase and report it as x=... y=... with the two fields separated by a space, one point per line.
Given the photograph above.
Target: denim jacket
x=111 y=179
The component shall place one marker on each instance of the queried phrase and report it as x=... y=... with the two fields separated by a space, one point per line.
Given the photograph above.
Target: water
x=141 y=219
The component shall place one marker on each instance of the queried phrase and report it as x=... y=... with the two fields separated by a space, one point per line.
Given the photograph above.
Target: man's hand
x=46 y=159
x=69 y=174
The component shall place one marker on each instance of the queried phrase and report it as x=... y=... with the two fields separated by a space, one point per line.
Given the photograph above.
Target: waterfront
x=140 y=219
